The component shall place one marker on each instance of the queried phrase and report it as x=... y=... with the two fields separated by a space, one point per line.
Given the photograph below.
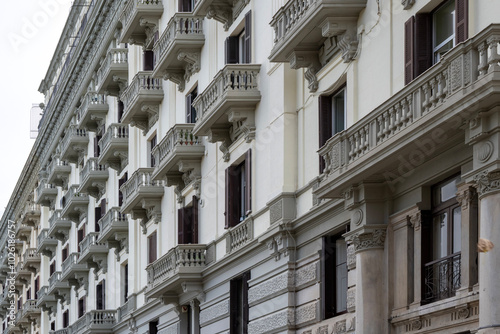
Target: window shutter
x=98 y=293
x=328 y=277
x=180 y=226
x=103 y=294
x=152 y=247
x=103 y=207
x=232 y=197
x=244 y=301
x=96 y=146
x=185 y=6
x=461 y=20
x=248 y=38
x=325 y=125
x=37 y=286
x=194 y=221
x=232 y=50
x=248 y=182
x=423 y=43
x=148 y=57
x=409 y=52
x=97 y=212
x=227 y=200
x=120 y=110
x=189 y=101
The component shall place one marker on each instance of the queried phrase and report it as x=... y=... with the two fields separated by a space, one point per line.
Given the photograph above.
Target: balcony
x=229 y=101
x=23 y=232
x=46 y=244
x=46 y=193
x=442 y=278
x=140 y=21
x=93 y=252
x=182 y=264
x=30 y=311
x=224 y=11
x=179 y=153
x=114 y=147
x=93 y=178
x=74 y=144
x=31 y=214
x=74 y=204
x=58 y=289
x=112 y=76
x=45 y=301
x=141 y=101
x=177 y=52
x=31 y=260
x=59 y=227
x=97 y=321
x=127 y=308
x=303 y=28
x=239 y=236
x=142 y=196
x=114 y=229
x=435 y=101
x=58 y=172
x=23 y=276
x=92 y=111
x=73 y=272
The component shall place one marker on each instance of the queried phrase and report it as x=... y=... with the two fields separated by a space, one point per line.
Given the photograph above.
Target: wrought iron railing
x=442 y=278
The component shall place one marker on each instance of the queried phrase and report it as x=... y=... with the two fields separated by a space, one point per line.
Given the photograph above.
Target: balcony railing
x=74 y=143
x=430 y=102
x=94 y=107
x=235 y=86
x=135 y=10
x=141 y=99
x=91 y=246
x=70 y=267
x=93 y=178
x=442 y=278
x=140 y=186
x=174 y=51
x=59 y=227
x=113 y=71
x=111 y=223
x=31 y=260
x=183 y=259
x=74 y=203
x=30 y=307
x=178 y=144
x=46 y=244
x=45 y=193
x=129 y=306
x=114 y=146
x=58 y=171
x=23 y=232
x=31 y=214
x=239 y=235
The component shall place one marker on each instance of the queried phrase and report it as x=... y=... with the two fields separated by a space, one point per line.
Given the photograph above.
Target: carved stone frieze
x=340 y=327
x=307 y=313
x=272 y=322
x=351 y=257
x=466 y=197
x=269 y=287
x=351 y=300
x=306 y=275
x=369 y=239
x=214 y=312
x=487 y=182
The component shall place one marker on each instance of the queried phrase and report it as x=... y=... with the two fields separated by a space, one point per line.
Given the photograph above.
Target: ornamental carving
x=484 y=151
x=214 y=312
x=322 y=330
x=276 y=211
x=466 y=197
x=463 y=313
x=487 y=182
x=373 y=239
x=340 y=327
x=456 y=73
x=305 y=275
x=416 y=325
x=351 y=300
x=268 y=288
x=307 y=313
x=407 y=4
x=416 y=220
x=272 y=322
x=351 y=257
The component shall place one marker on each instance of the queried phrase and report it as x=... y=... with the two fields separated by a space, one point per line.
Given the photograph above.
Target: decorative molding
x=215 y=312
x=306 y=275
x=351 y=300
x=484 y=151
x=347 y=38
x=307 y=313
x=368 y=239
x=351 y=257
x=176 y=77
x=487 y=182
x=172 y=329
x=269 y=287
x=222 y=14
x=357 y=217
x=466 y=197
x=407 y=4
x=309 y=60
x=340 y=327
x=416 y=220
x=279 y=320
x=221 y=135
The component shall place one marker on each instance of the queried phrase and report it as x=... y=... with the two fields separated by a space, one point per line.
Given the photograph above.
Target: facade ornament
x=193 y=62
x=150 y=29
x=244 y=121
x=463 y=313
x=407 y=4
x=221 y=14
x=484 y=151
x=416 y=220
x=309 y=60
x=122 y=83
x=369 y=239
x=176 y=77
x=416 y=324
x=340 y=327
x=487 y=182
x=347 y=38
x=466 y=197
x=223 y=137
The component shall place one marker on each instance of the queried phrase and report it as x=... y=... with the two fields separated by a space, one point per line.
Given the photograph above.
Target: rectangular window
x=81 y=307
x=121 y=182
x=152 y=145
x=52 y=268
x=125 y=282
x=185 y=6
x=238 y=304
x=190 y=110
x=65 y=253
x=188 y=223
x=148 y=60
x=334 y=276
x=37 y=287
x=153 y=327
x=53 y=326
x=332 y=117
x=28 y=294
x=442 y=242
x=152 y=248
x=238 y=48
x=97 y=150
x=430 y=35
x=120 y=108
x=80 y=236
x=239 y=191
x=100 y=297
x=65 y=319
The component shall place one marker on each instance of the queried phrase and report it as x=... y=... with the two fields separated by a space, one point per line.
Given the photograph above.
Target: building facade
x=262 y=166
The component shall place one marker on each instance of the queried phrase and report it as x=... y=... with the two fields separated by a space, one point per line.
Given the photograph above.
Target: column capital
x=367 y=237
x=487 y=182
x=466 y=195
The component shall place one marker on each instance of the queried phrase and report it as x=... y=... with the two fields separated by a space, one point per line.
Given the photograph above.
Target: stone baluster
x=494 y=58
x=483 y=59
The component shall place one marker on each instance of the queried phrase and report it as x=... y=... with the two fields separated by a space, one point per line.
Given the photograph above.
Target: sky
x=29 y=33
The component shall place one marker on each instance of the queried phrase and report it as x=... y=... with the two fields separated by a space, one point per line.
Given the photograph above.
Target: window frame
x=152 y=247
x=239 y=181
x=239 y=315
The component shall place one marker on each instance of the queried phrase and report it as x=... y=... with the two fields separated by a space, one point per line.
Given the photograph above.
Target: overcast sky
x=29 y=32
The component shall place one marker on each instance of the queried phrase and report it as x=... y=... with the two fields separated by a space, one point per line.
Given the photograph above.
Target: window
x=188 y=223
x=152 y=248
x=37 y=287
x=238 y=304
x=81 y=235
x=97 y=150
x=239 y=191
x=332 y=117
x=153 y=327
x=441 y=248
x=65 y=253
x=66 y=319
x=148 y=60
x=81 y=307
x=152 y=145
x=185 y=6
x=121 y=182
x=99 y=213
x=430 y=35
x=334 y=276
x=238 y=48
x=28 y=294
x=125 y=282
x=52 y=268
x=53 y=326
x=100 y=296
x=190 y=110
x=120 y=108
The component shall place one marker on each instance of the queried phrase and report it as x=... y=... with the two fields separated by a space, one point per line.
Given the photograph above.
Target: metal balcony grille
x=442 y=278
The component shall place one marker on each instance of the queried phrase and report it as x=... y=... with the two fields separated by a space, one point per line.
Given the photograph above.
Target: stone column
x=416 y=222
x=195 y=316
x=371 y=289
x=467 y=197
x=488 y=185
